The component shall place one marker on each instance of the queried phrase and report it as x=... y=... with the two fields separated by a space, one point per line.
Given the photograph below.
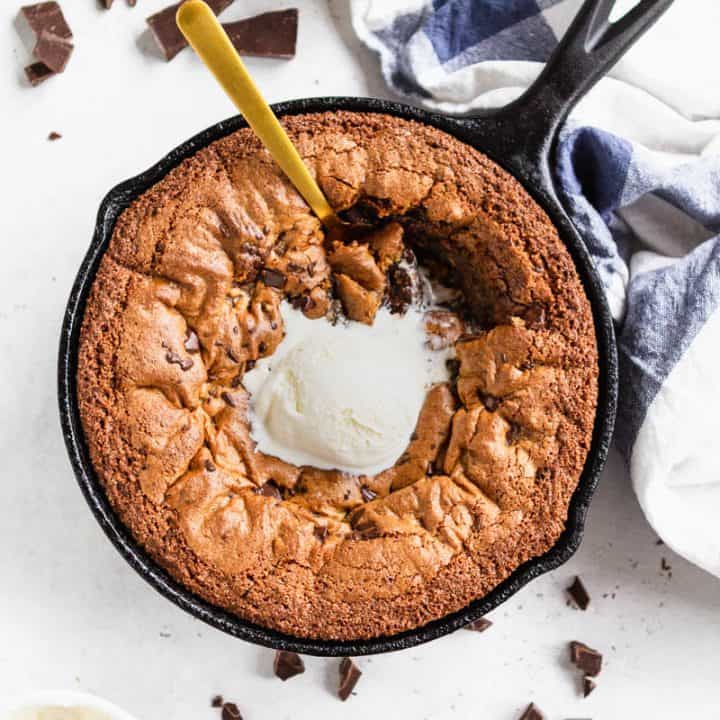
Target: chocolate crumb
x=321 y=532
x=217 y=701
x=479 y=625
x=367 y=493
x=54 y=136
x=230 y=711
x=665 y=565
x=273 y=278
x=585 y=658
x=288 y=664
x=659 y=542
x=349 y=675
x=579 y=594
x=532 y=712
x=588 y=685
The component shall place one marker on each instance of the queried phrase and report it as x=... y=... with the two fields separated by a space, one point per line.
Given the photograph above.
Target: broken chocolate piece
x=585 y=658
x=54 y=136
x=46 y=17
x=532 y=712
x=37 y=73
x=217 y=701
x=367 y=493
x=192 y=342
x=270 y=35
x=273 y=278
x=588 y=685
x=480 y=625
x=166 y=32
x=53 y=51
x=288 y=664
x=230 y=711
x=579 y=594
x=349 y=675
x=107 y=4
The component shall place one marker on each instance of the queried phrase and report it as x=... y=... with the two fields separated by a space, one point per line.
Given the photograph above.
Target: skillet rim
x=123 y=194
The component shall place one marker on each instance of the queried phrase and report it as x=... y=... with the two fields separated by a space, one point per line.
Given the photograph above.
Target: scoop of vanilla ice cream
x=343 y=396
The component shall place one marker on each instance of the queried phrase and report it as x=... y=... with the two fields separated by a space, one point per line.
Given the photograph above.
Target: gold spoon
x=206 y=36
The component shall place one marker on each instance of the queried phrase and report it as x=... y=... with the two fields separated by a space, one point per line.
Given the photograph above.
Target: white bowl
x=62 y=698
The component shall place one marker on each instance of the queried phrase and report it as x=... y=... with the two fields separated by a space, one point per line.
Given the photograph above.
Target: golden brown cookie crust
x=186 y=298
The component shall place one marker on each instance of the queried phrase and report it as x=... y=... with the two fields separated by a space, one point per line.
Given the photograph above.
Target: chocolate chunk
x=400 y=290
x=37 y=73
x=175 y=359
x=579 y=594
x=513 y=434
x=230 y=711
x=491 y=403
x=367 y=493
x=46 y=17
x=588 y=685
x=217 y=701
x=321 y=532
x=480 y=625
x=532 y=712
x=192 y=342
x=271 y=34
x=53 y=51
x=54 y=136
x=210 y=466
x=273 y=278
x=269 y=489
x=301 y=302
x=288 y=664
x=166 y=32
x=585 y=658
x=349 y=675
x=228 y=398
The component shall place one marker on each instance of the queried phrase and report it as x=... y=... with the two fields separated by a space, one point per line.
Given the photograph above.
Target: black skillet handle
x=521 y=135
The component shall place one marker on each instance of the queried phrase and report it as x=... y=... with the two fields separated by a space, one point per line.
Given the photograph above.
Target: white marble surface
x=73 y=614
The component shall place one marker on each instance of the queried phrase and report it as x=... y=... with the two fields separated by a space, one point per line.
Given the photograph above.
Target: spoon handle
x=206 y=36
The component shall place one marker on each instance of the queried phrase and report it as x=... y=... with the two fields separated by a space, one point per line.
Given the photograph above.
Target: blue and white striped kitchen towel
x=638 y=167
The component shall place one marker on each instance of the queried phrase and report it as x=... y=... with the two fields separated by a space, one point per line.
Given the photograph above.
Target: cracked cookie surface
x=187 y=299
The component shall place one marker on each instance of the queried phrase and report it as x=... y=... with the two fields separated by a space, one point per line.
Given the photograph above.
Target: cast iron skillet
x=519 y=137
